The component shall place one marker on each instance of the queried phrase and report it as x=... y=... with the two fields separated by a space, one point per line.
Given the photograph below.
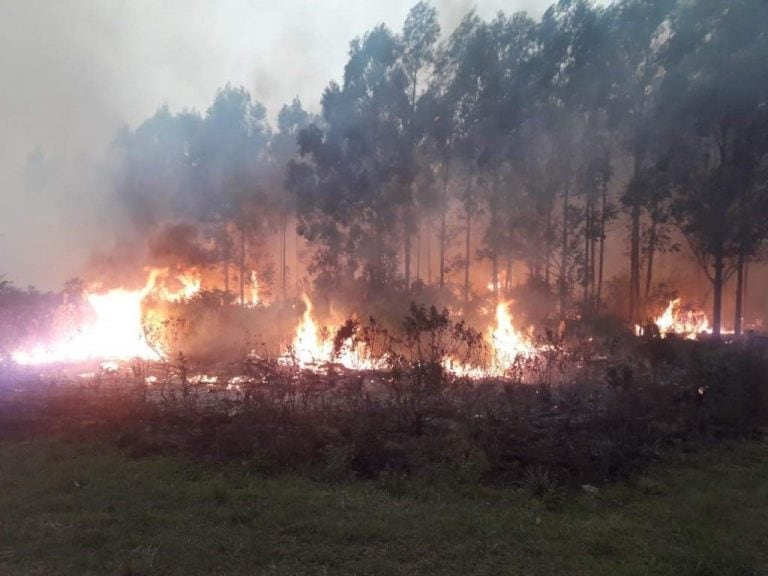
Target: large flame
x=508 y=345
x=679 y=320
x=312 y=347
x=115 y=331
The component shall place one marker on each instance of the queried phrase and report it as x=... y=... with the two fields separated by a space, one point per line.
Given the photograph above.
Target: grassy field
x=75 y=509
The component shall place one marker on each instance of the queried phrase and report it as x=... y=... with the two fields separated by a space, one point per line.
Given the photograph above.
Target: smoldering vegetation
x=579 y=418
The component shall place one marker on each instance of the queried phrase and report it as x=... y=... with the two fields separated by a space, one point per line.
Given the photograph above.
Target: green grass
x=75 y=509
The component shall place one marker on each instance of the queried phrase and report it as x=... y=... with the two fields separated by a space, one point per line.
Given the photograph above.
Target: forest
x=497 y=303
x=560 y=160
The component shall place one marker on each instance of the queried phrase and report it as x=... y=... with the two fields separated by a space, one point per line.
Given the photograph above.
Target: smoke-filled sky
x=74 y=71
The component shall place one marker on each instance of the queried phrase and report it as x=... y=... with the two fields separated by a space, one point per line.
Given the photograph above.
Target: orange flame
x=116 y=331
x=507 y=346
x=680 y=320
x=312 y=347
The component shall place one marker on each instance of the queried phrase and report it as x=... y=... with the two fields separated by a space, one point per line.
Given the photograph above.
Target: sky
x=73 y=72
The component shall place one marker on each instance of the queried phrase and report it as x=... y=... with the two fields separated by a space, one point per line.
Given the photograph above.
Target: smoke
x=76 y=71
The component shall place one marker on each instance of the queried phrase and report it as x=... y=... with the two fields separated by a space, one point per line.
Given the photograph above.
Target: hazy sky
x=74 y=71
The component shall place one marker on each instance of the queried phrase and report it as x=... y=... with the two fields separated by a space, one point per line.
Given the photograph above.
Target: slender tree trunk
x=467 y=247
x=603 y=219
x=592 y=265
x=587 y=258
x=428 y=238
x=242 y=266
x=508 y=276
x=407 y=246
x=548 y=245
x=419 y=225
x=634 y=263
x=444 y=223
x=745 y=292
x=284 y=255
x=649 y=271
x=739 y=311
x=564 y=253
x=717 y=286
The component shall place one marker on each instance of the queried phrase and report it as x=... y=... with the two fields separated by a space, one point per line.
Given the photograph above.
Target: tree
x=420 y=33
x=715 y=98
x=638 y=29
x=350 y=188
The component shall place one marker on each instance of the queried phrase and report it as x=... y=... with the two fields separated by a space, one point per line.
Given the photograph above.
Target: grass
x=76 y=509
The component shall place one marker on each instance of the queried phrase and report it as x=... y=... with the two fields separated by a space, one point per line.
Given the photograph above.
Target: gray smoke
x=75 y=71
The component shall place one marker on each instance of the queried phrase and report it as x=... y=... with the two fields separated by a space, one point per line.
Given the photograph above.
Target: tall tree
x=716 y=105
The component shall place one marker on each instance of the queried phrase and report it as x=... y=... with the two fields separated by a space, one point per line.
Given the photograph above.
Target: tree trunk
x=564 y=254
x=739 y=311
x=587 y=258
x=428 y=238
x=467 y=247
x=283 y=255
x=717 y=285
x=419 y=225
x=443 y=223
x=407 y=246
x=634 y=265
x=603 y=218
x=548 y=245
x=649 y=270
x=242 y=266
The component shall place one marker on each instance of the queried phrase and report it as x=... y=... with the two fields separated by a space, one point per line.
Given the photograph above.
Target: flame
x=508 y=343
x=116 y=331
x=507 y=346
x=312 y=346
x=255 y=295
x=680 y=320
x=308 y=347
x=190 y=280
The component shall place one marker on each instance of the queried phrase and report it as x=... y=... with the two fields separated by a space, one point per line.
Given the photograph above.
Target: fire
x=116 y=329
x=308 y=347
x=312 y=346
x=507 y=346
x=115 y=332
x=255 y=291
x=507 y=342
x=680 y=320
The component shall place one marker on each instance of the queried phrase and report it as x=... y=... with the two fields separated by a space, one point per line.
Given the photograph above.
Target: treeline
x=510 y=141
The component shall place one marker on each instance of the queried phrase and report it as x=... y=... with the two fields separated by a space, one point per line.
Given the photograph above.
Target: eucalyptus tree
x=284 y=147
x=471 y=84
x=233 y=149
x=638 y=29
x=349 y=185
x=418 y=41
x=715 y=104
x=568 y=73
